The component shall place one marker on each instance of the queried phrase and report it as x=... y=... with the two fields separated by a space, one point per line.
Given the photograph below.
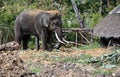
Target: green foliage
x=34 y=67
x=31 y=42
x=92 y=19
x=107 y=61
x=80 y=58
x=101 y=71
x=89 y=10
x=9 y=9
x=5 y=33
x=91 y=46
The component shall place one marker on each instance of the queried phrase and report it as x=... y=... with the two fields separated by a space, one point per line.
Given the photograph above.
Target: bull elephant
x=39 y=24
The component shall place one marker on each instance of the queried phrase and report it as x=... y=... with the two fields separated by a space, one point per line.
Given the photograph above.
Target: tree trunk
x=77 y=14
x=108 y=3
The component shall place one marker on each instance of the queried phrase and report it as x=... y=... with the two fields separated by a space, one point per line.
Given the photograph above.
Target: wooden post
x=100 y=9
x=108 y=3
x=77 y=14
x=5 y=35
x=76 y=38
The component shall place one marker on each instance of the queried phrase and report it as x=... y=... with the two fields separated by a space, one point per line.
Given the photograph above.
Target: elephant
x=111 y=41
x=39 y=24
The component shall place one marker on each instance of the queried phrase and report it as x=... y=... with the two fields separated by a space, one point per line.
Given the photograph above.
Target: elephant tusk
x=58 y=38
x=65 y=40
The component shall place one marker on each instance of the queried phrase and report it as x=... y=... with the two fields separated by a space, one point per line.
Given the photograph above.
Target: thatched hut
x=115 y=10
x=109 y=27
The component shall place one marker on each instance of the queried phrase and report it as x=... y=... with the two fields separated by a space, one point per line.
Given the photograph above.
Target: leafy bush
x=92 y=19
x=89 y=10
x=109 y=60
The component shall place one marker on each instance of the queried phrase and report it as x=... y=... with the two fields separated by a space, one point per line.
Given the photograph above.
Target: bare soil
x=19 y=63
x=11 y=65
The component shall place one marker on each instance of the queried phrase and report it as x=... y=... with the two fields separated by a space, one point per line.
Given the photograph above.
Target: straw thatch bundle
x=108 y=27
x=115 y=10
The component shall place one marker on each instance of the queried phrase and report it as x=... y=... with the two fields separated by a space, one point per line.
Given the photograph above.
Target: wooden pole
x=108 y=3
x=77 y=14
x=100 y=8
x=76 y=38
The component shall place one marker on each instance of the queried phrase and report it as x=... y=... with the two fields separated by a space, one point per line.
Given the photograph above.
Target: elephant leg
x=18 y=38
x=25 y=41
x=50 y=40
x=37 y=43
x=44 y=39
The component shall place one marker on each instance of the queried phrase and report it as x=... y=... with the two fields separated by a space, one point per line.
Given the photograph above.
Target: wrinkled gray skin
x=40 y=25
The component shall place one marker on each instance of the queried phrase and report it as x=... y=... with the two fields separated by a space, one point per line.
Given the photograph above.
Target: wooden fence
x=79 y=32
x=83 y=33
x=4 y=33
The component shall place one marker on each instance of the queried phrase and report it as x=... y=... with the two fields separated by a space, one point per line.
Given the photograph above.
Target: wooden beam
x=79 y=31
x=76 y=29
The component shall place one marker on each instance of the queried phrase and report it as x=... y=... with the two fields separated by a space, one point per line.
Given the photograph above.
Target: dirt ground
x=27 y=55
x=19 y=63
x=51 y=68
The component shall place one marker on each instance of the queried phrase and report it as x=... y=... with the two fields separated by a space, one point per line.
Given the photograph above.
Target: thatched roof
x=115 y=10
x=109 y=26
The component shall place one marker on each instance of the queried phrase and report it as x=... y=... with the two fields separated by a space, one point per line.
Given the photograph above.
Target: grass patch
x=35 y=70
x=90 y=46
x=108 y=61
x=35 y=67
x=87 y=46
x=82 y=58
x=102 y=71
x=112 y=58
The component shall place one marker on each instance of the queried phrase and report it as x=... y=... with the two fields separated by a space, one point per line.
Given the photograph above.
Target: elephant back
x=53 y=12
x=34 y=12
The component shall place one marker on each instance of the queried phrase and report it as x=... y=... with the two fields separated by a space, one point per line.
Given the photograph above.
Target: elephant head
x=52 y=23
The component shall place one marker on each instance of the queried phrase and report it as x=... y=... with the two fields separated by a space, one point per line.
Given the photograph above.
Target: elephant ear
x=46 y=20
